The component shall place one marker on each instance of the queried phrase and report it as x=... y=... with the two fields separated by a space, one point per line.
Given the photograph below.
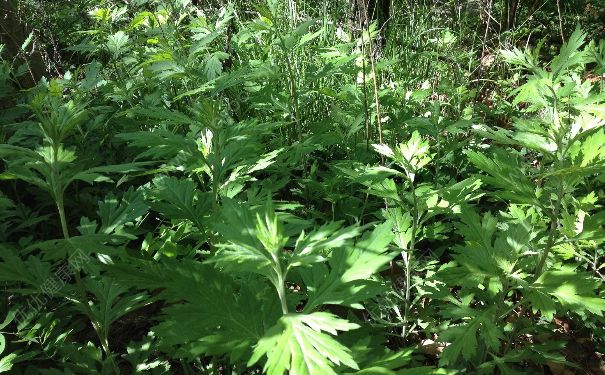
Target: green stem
x=554 y=217
x=280 y=283
x=57 y=189
x=407 y=258
x=293 y=91
x=61 y=209
x=365 y=95
x=280 y=286
x=59 y=199
x=554 y=227
x=281 y=291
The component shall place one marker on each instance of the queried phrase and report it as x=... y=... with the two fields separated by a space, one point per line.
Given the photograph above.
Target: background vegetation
x=348 y=186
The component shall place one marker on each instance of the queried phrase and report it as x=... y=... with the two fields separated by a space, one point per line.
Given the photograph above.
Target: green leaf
x=522 y=58
x=312 y=247
x=536 y=142
x=254 y=244
x=27 y=41
x=298 y=345
x=141 y=18
x=573 y=289
x=411 y=156
x=402 y=226
x=427 y=370
x=98 y=174
x=161 y=144
x=180 y=199
x=214 y=66
x=112 y=301
x=569 y=55
x=464 y=342
x=505 y=171
x=87 y=244
x=369 y=255
x=93 y=78
x=540 y=301
x=6 y=363
x=385 y=189
x=488 y=255
x=9 y=318
x=591 y=151
x=32 y=271
x=115 y=214
x=208 y=312
x=463 y=338
x=373 y=371
x=115 y=43
x=349 y=278
x=307 y=38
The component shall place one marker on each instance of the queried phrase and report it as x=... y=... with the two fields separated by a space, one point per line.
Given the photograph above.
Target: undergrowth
x=269 y=190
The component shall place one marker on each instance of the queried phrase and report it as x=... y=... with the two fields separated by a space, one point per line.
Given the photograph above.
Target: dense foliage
x=305 y=188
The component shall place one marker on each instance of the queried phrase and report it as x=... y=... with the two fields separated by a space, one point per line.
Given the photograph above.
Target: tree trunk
x=13 y=33
x=371 y=10
x=510 y=14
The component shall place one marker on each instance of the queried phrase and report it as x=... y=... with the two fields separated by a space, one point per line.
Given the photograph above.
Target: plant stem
x=58 y=190
x=554 y=226
x=365 y=94
x=282 y=298
x=554 y=216
x=280 y=283
x=61 y=209
x=292 y=89
x=407 y=255
x=374 y=79
x=281 y=291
